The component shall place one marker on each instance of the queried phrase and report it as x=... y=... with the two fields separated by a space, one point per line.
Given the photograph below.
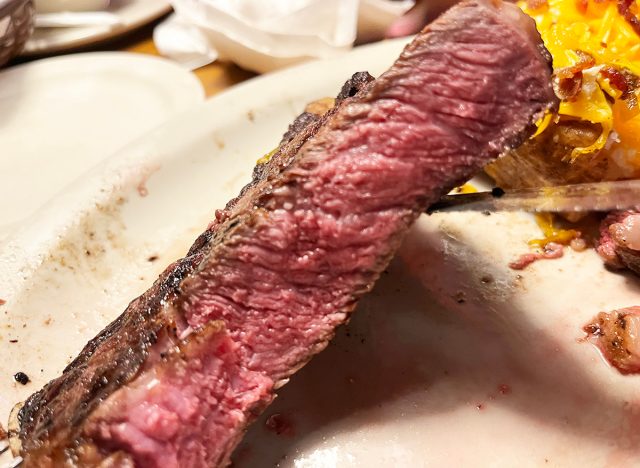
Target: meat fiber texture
x=176 y=379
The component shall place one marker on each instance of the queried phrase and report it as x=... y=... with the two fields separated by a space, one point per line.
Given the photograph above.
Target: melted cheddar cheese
x=570 y=28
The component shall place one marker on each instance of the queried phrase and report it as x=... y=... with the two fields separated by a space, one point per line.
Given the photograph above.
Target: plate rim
x=179 y=84
x=104 y=35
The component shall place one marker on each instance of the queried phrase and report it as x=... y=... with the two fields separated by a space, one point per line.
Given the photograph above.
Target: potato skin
x=544 y=160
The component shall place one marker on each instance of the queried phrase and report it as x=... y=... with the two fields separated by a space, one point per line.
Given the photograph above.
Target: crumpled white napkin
x=263 y=35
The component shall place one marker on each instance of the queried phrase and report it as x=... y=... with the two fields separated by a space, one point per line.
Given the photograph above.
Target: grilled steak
x=619 y=243
x=175 y=380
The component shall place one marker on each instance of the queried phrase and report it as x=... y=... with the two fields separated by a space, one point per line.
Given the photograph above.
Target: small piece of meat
x=567 y=81
x=617 y=335
x=619 y=243
x=177 y=378
x=550 y=251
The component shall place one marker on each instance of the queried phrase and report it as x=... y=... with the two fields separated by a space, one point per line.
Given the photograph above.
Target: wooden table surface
x=215 y=77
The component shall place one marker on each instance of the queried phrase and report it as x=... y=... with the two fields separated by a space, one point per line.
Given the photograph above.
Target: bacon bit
x=3 y=433
x=625 y=10
x=550 y=251
x=279 y=424
x=582 y=5
x=585 y=60
x=616 y=78
x=624 y=81
x=567 y=81
x=567 y=88
x=504 y=389
x=2 y=302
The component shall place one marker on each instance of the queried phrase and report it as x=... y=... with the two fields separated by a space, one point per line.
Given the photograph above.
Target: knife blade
x=594 y=196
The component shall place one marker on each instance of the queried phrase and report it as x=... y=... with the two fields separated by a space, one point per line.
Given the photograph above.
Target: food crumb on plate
x=279 y=424
x=486 y=279
x=550 y=251
x=615 y=334
x=21 y=378
x=142 y=189
x=578 y=244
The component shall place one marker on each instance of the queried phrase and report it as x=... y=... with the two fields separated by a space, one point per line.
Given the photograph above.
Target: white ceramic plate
x=132 y=13
x=63 y=115
x=418 y=378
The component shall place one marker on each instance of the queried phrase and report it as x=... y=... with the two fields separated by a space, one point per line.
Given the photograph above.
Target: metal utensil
x=596 y=196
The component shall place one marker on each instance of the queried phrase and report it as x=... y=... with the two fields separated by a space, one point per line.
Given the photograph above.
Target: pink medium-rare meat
x=175 y=380
x=619 y=242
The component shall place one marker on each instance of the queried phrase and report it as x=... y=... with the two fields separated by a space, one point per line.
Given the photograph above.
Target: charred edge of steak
x=141 y=331
x=630 y=258
x=140 y=321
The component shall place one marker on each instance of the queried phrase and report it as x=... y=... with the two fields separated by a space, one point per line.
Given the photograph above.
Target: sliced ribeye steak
x=175 y=380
